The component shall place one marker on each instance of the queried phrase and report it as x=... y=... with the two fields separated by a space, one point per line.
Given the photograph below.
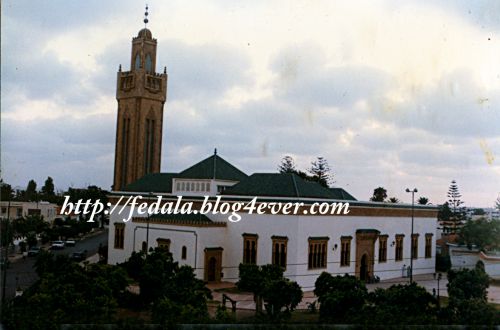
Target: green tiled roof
x=153 y=182
x=280 y=185
x=342 y=194
x=213 y=166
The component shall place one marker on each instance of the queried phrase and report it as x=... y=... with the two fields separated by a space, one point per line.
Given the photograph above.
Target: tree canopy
x=379 y=195
x=482 y=233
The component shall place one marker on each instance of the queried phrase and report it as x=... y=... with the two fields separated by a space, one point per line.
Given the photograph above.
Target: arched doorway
x=363 y=269
x=365 y=253
x=212 y=266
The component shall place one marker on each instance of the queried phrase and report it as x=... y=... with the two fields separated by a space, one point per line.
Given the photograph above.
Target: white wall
x=297 y=228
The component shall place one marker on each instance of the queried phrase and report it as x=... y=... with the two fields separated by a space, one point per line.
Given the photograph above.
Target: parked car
x=79 y=256
x=70 y=242
x=57 y=245
x=34 y=251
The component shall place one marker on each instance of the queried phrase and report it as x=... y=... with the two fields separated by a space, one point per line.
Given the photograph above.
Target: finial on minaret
x=165 y=70
x=215 y=151
x=120 y=68
x=146 y=16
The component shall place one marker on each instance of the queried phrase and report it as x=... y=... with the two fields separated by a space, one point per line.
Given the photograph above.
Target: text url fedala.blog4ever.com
x=217 y=206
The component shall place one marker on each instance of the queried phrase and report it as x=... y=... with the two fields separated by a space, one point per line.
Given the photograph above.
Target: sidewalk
x=245 y=300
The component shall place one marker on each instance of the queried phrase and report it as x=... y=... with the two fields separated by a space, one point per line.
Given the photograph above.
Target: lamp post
x=413 y=191
x=147 y=227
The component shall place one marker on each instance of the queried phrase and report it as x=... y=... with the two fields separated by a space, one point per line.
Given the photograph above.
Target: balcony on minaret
x=140 y=83
x=154 y=82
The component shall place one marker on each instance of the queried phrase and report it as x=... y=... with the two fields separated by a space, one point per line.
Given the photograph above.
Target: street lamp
x=147 y=226
x=413 y=191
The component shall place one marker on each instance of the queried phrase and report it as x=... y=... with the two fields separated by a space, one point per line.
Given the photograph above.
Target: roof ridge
x=295 y=185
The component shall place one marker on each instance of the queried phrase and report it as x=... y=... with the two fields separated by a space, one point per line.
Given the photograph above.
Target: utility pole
x=411 y=238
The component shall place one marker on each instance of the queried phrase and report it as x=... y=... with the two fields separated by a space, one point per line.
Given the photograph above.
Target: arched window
x=184 y=253
x=137 y=62
x=149 y=63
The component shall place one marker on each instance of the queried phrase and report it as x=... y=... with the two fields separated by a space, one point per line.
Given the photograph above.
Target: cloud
x=392 y=94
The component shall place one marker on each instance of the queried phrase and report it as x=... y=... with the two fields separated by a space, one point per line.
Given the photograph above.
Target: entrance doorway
x=363 y=269
x=213 y=264
x=365 y=253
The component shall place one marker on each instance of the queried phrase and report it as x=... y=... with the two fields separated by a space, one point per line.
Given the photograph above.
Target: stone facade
x=141 y=94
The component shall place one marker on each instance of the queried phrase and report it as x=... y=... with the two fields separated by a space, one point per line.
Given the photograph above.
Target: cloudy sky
x=392 y=93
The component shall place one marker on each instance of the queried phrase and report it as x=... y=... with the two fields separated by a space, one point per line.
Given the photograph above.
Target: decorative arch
x=149 y=141
x=149 y=63
x=137 y=61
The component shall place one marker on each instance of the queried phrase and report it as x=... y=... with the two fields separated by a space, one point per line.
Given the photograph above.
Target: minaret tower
x=141 y=94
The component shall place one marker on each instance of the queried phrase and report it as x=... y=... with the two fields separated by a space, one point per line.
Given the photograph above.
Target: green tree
x=455 y=204
x=94 y=194
x=175 y=292
x=6 y=192
x=393 y=200
x=468 y=284
x=400 y=305
x=31 y=194
x=253 y=278
x=341 y=298
x=482 y=233
x=478 y=212
x=66 y=293
x=468 y=299
x=379 y=195
x=321 y=172
x=287 y=165
x=48 y=188
x=279 y=294
x=423 y=201
x=6 y=232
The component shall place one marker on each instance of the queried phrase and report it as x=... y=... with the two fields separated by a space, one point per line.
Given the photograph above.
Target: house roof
x=282 y=185
x=340 y=193
x=213 y=167
x=153 y=182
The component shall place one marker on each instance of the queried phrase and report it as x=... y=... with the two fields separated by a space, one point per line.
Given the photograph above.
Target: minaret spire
x=146 y=16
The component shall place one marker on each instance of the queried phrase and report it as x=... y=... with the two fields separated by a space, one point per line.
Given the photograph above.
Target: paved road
x=21 y=272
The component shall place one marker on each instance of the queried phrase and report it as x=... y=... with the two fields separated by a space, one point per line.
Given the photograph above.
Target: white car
x=70 y=242
x=57 y=245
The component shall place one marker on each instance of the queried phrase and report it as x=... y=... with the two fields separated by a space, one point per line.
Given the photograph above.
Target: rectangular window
x=19 y=212
x=279 y=251
x=414 y=246
x=399 y=247
x=34 y=212
x=207 y=186
x=119 y=235
x=250 y=248
x=178 y=186
x=428 y=245
x=345 y=251
x=184 y=253
x=163 y=243
x=382 y=248
x=4 y=210
x=318 y=247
